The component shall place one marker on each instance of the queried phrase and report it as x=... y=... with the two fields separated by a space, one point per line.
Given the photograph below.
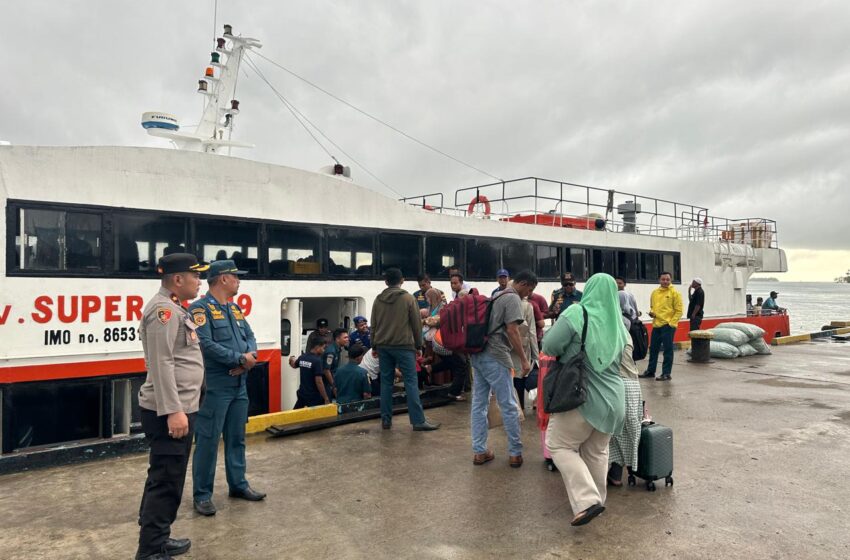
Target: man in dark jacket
x=397 y=335
x=696 y=303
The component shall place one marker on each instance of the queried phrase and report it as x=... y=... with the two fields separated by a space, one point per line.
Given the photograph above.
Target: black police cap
x=180 y=262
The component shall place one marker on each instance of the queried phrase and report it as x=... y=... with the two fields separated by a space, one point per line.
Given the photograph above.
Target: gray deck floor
x=762 y=447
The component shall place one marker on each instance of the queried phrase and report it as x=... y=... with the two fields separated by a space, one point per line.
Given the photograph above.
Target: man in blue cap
x=361 y=333
x=230 y=351
x=502 y=277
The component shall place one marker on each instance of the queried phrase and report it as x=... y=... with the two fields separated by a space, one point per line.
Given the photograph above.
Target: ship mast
x=215 y=129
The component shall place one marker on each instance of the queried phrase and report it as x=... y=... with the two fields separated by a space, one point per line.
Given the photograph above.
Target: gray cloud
x=741 y=107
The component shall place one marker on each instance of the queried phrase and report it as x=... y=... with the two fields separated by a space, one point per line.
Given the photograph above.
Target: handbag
x=565 y=385
x=494 y=413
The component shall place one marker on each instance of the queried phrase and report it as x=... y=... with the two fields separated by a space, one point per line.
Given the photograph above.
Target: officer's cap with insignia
x=180 y=262
x=217 y=268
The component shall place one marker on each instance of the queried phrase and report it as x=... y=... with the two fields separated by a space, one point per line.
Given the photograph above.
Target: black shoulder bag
x=565 y=385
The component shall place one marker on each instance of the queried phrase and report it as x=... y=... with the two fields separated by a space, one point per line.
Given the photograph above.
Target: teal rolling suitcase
x=655 y=456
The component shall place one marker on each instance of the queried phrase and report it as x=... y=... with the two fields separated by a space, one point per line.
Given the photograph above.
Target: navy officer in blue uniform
x=230 y=351
x=361 y=333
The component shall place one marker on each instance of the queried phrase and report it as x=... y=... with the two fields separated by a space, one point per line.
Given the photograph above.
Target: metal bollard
x=701 y=346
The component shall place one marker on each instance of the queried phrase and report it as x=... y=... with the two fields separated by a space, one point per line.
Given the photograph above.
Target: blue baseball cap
x=360 y=319
x=217 y=268
x=502 y=272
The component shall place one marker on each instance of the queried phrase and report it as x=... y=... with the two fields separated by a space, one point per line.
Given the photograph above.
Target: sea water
x=810 y=305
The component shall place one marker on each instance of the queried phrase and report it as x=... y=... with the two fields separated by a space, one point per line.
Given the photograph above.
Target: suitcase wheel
x=668 y=481
x=632 y=480
x=650 y=486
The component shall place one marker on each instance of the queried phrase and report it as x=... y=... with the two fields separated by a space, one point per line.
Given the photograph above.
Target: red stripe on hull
x=79 y=370
x=772 y=324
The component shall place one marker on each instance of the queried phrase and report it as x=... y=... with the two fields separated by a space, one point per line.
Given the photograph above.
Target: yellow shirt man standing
x=665 y=308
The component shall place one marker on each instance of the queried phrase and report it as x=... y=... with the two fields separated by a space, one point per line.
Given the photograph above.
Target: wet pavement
x=761 y=450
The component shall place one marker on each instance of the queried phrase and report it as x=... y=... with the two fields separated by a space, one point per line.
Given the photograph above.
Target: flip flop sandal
x=588 y=515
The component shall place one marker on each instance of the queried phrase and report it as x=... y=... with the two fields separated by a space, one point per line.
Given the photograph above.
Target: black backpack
x=640 y=340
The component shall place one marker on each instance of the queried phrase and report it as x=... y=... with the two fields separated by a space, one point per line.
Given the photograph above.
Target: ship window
x=295 y=250
x=441 y=253
x=578 y=263
x=482 y=258
x=668 y=264
x=627 y=265
x=223 y=239
x=517 y=257
x=401 y=251
x=59 y=240
x=604 y=260
x=350 y=252
x=52 y=412
x=547 y=262
x=140 y=240
x=649 y=266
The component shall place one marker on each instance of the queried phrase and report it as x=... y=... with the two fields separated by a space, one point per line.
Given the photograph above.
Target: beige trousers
x=581 y=454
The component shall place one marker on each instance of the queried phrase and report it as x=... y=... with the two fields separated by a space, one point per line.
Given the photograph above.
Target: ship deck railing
x=559 y=203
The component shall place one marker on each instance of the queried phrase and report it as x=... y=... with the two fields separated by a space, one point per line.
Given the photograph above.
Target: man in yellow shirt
x=665 y=308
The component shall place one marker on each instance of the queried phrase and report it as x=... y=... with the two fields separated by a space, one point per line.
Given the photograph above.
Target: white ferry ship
x=84 y=227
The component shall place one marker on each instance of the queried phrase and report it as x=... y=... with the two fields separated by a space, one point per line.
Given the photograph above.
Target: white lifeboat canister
x=156 y=119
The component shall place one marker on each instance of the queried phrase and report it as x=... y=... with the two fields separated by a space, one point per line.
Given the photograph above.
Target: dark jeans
x=695 y=323
x=457 y=365
x=662 y=337
x=404 y=360
x=169 y=458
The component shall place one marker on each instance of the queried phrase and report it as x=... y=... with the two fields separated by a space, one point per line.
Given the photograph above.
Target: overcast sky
x=741 y=107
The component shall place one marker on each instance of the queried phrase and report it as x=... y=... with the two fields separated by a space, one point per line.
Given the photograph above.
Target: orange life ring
x=480 y=199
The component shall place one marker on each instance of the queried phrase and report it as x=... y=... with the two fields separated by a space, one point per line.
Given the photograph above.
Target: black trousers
x=695 y=323
x=457 y=365
x=164 y=485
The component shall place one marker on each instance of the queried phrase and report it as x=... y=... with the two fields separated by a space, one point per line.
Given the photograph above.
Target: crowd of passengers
x=401 y=344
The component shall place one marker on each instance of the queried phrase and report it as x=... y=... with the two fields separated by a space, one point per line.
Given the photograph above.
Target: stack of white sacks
x=737 y=339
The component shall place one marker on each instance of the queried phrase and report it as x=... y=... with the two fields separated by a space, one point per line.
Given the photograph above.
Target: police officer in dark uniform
x=563 y=297
x=169 y=401
x=230 y=351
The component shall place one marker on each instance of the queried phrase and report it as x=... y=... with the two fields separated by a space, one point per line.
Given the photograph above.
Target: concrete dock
x=761 y=453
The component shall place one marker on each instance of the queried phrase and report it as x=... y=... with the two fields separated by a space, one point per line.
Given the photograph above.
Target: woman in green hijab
x=578 y=439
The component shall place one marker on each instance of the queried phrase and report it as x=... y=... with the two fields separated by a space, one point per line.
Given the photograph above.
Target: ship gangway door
x=291 y=344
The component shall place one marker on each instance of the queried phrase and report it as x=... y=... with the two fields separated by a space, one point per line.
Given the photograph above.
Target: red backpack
x=464 y=323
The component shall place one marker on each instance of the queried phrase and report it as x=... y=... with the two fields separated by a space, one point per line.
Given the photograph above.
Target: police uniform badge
x=237 y=313
x=163 y=314
x=329 y=360
x=199 y=317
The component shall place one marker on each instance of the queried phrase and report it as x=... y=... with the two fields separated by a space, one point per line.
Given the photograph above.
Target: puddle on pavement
x=782 y=382
x=811 y=403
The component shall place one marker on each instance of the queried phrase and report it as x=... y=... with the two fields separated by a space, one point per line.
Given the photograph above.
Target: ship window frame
x=14 y=240
x=478 y=273
x=111 y=215
x=391 y=236
x=460 y=258
x=242 y=263
x=273 y=228
x=347 y=233
x=628 y=276
x=603 y=258
x=557 y=266
x=115 y=251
